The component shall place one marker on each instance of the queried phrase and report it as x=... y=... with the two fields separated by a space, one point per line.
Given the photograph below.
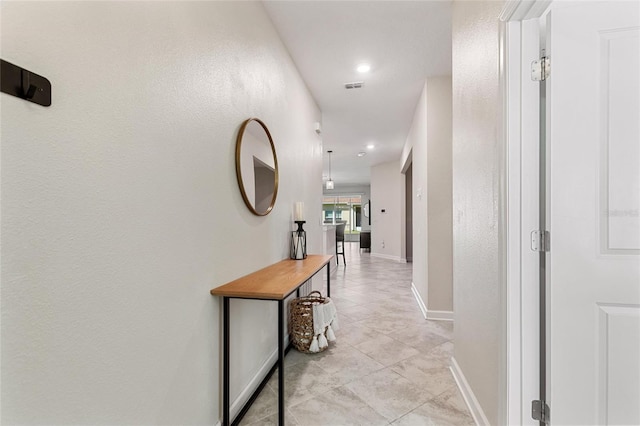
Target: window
x=343 y=209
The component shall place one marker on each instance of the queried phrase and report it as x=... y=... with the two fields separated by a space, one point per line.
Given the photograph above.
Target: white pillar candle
x=298 y=211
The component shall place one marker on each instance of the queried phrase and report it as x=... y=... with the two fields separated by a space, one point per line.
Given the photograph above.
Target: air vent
x=354 y=85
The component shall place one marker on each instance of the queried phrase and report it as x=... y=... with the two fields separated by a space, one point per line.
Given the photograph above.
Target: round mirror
x=257 y=166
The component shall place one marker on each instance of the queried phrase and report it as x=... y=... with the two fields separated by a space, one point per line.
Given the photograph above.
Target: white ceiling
x=404 y=41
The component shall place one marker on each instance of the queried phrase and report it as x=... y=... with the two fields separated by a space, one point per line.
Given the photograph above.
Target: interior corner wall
x=476 y=188
x=416 y=148
x=387 y=187
x=429 y=142
x=121 y=210
x=439 y=195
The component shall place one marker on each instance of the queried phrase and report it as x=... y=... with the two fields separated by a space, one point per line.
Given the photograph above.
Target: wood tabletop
x=274 y=282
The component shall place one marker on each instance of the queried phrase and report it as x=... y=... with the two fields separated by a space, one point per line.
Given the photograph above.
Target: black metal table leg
x=226 y=421
x=281 y=362
x=329 y=279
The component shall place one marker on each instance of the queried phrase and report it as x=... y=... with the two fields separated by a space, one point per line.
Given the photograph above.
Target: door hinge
x=540 y=411
x=540 y=241
x=541 y=69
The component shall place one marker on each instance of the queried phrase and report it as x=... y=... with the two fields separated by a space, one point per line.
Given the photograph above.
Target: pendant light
x=329 y=182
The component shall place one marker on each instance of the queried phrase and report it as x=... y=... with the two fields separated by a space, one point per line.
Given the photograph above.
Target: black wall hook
x=19 y=82
x=30 y=92
x=28 y=89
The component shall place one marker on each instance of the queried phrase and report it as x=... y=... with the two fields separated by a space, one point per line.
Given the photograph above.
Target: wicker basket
x=301 y=321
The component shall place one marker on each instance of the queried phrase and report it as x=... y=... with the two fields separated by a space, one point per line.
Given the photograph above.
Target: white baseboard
x=389 y=257
x=430 y=314
x=469 y=398
x=421 y=304
x=439 y=315
x=253 y=384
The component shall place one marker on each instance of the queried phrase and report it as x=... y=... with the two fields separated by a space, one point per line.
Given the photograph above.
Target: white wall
x=120 y=207
x=477 y=171
x=428 y=147
x=387 y=188
x=439 y=196
x=415 y=151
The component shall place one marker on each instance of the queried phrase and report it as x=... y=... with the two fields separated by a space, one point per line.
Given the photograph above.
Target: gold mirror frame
x=251 y=205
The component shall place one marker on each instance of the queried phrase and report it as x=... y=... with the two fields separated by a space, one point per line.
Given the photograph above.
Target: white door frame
x=519 y=40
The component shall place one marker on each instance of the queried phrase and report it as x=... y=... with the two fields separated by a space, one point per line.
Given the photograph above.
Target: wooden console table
x=275 y=282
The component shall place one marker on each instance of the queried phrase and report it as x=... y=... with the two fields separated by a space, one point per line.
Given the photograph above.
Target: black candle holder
x=299 y=242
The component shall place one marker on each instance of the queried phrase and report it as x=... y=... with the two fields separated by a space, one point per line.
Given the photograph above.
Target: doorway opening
x=408 y=176
x=345 y=209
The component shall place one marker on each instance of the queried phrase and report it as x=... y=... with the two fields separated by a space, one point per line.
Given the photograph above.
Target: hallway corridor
x=388 y=365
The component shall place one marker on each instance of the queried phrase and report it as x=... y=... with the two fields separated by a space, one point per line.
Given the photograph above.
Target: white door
x=593 y=270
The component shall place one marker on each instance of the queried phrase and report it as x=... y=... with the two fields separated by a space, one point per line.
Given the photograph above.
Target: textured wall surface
x=387 y=187
x=429 y=143
x=416 y=145
x=439 y=194
x=120 y=207
x=476 y=199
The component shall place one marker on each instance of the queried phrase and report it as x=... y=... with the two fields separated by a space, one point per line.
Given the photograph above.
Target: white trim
x=430 y=314
x=243 y=397
x=520 y=10
x=512 y=111
x=439 y=315
x=529 y=220
x=512 y=9
x=389 y=257
x=520 y=111
x=421 y=304
x=469 y=398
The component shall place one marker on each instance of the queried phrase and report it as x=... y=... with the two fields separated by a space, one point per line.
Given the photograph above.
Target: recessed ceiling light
x=371 y=146
x=362 y=154
x=364 y=68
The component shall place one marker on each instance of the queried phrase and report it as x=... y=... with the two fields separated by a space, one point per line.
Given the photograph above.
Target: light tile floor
x=388 y=365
